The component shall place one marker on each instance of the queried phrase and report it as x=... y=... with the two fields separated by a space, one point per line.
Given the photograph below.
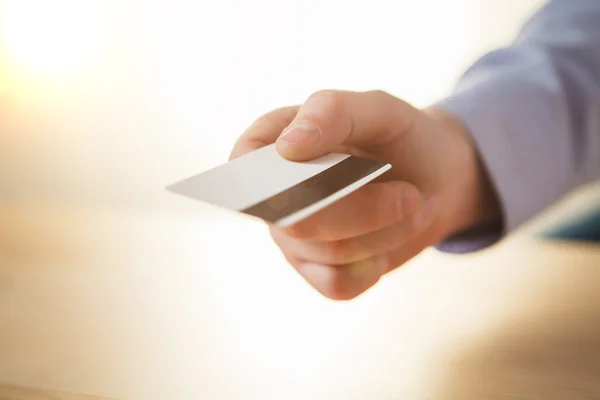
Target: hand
x=436 y=186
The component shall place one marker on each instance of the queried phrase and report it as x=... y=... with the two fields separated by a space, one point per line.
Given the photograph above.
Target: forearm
x=533 y=110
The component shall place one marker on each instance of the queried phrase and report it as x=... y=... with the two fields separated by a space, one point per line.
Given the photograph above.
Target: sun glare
x=51 y=36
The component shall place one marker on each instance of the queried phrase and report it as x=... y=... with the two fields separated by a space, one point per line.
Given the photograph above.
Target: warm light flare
x=51 y=36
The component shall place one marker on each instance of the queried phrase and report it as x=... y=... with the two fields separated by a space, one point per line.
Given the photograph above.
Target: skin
x=436 y=187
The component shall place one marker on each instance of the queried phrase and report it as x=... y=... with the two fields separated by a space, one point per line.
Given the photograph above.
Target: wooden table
x=12 y=392
x=186 y=302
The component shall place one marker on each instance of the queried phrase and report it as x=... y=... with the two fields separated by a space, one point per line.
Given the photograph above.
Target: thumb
x=329 y=119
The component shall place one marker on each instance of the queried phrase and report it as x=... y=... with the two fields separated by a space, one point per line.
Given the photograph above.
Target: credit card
x=265 y=185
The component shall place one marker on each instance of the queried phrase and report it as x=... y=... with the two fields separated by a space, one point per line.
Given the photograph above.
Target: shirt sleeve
x=533 y=110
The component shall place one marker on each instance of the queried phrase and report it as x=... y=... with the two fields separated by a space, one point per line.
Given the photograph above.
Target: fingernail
x=301 y=134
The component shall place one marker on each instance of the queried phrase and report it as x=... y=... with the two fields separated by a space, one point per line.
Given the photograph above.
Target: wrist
x=472 y=200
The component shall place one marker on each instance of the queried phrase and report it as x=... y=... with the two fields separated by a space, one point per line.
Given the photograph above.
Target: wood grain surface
x=12 y=392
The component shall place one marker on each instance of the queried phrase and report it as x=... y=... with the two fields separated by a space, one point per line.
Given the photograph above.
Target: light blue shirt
x=533 y=109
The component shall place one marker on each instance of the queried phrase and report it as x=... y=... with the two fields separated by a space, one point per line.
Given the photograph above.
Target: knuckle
x=325 y=94
x=331 y=99
x=380 y=94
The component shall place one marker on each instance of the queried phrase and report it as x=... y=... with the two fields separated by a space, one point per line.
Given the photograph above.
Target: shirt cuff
x=509 y=156
x=471 y=240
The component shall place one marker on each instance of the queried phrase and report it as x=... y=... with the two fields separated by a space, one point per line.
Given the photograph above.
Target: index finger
x=339 y=118
x=264 y=131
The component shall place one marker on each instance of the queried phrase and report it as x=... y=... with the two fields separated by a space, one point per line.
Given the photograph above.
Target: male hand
x=436 y=186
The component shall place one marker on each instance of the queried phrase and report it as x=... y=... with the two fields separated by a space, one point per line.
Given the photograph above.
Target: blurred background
x=111 y=286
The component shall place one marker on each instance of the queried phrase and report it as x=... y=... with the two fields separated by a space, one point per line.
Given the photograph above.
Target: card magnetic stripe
x=314 y=189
